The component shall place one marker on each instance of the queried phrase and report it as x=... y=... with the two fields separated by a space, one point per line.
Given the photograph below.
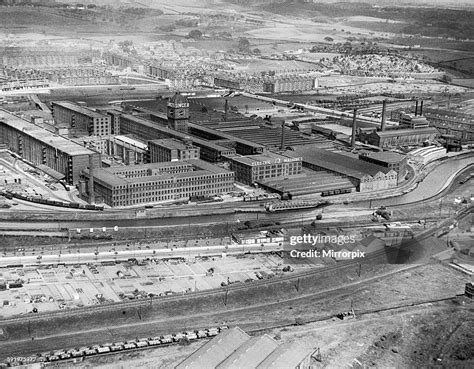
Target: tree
x=446 y=78
x=257 y=51
x=195 y=34
x=244 y=45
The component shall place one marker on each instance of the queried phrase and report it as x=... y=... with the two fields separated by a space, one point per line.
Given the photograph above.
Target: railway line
x=370 y=258
x=72 y=355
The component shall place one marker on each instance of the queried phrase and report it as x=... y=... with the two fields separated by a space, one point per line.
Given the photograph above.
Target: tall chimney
x=91 y=180
x=421 y=108
x=354 y=126
x=416 y=108
x=282 y=147
x=384 y=117
x=226 y=109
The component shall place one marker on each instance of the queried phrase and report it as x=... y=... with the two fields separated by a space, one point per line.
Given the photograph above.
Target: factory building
x=320 y=182
x=398 y=137
x=157 y=182
x=412 y=121
x=46 y=150
x=171 y=150
x=146 y=130
x=126 y=149
x=253 y=168
x=80 y=120
x=387 y=159
x=364 y=175
x=459 y=125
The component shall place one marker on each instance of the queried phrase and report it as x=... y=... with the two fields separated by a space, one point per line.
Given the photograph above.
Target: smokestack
x=384 y=117
x=421 y=108
x=91 y=180
x=354 y=126
x=282 y=147
x=416 y=108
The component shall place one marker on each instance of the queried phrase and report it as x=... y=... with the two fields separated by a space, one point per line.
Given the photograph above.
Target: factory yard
x=48 y=288
x=19 y=177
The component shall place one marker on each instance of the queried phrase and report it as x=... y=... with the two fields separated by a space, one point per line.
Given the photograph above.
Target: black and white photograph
x=236 y=184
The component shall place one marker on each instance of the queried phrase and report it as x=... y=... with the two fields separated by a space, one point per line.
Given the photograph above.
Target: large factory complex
x=140 y=156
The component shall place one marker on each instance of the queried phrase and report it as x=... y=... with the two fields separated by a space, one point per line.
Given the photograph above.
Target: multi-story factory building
x=44 y=149
x=171 y=150
x=146 y=129
x=80 y=120
x=253 y=168
x=157 y=182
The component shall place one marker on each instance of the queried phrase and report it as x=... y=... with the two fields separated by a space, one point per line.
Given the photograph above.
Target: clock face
x=180 y=113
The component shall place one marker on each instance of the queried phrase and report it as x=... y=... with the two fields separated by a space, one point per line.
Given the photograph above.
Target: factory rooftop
x=216 y=350
x=408 y=131
x=339 y=163
x=234 y=348
x=132 y=142
x=266 y=158
x=195 y=128
x=386 y=156
x=78 y=109
x=193 y=168
x=42 y=135
x=170 y=143
x=176 y=134
x=269 y=137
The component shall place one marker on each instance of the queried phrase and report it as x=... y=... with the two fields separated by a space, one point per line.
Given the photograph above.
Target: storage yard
x=49 y=288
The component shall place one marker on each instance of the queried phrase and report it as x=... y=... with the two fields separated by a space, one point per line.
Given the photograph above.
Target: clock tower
x=178 y=112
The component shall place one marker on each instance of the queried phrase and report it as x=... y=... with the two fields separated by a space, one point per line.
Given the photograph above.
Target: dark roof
x=407 y=132
x=387 y=156
x=343 y=164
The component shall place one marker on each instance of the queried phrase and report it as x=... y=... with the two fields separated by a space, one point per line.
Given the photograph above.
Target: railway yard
x=380 y=298
x=57 y=287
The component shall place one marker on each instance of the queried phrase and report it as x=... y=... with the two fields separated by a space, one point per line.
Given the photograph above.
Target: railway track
x=48 y=362
x=236 y=287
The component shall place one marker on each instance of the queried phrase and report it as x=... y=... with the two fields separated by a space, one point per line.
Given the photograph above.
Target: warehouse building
x=387 y=159
x=254 y=168
x=44 y=149
x=365 y=176
x=398 y=137
x=80 y=120
x=234 y=348
x=320 y=182
x=171 y=150
x=157 y=182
